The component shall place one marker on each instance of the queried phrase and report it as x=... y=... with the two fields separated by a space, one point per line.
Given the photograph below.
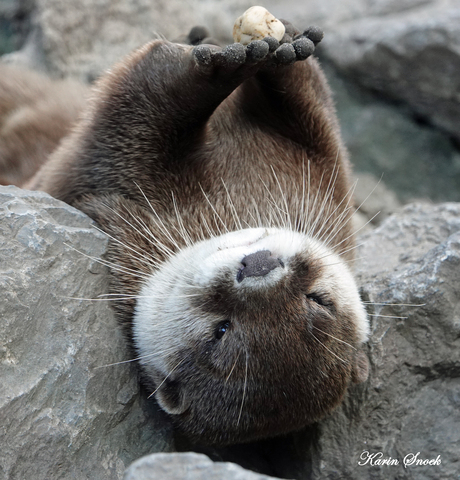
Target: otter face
x=250 y=334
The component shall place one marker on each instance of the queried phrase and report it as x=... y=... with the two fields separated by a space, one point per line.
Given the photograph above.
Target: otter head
x=250 y=334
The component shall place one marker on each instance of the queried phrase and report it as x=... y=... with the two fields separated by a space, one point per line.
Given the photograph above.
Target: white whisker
x=328 y=349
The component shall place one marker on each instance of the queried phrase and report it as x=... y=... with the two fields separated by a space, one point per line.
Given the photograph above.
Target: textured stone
x=190 y=466
x=64 y=417
x=374 y=200
x=411 y=402
x=256 y=23
x=65 y=413
x=413 y=159
x=330 y=13
x=413 y=57
x=81 y=39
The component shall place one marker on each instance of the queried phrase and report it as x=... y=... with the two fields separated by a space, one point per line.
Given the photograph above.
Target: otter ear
x=360 y=370
x=171 y=398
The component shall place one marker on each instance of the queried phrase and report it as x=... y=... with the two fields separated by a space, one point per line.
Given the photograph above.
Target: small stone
x=256 y=23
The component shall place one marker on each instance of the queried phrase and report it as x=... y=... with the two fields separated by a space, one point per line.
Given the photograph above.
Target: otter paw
x=231 y=57
x=295 y=46
x=313 y=33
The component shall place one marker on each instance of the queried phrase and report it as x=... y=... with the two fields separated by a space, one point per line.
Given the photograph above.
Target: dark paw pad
x=273 y=43
x=315 y=34
x=231 y=56
x=285 y=54
x=303 y=47
x=257 y=50
x=203 y=55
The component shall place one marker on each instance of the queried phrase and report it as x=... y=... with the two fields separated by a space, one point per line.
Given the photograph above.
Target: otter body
x=221 y=178
x=35 y=114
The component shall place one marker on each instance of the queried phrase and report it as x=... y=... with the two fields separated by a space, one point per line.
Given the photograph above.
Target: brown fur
x=35 y=113
x=160 y=126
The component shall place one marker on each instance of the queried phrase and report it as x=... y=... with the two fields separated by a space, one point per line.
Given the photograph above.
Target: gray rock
x=190 y=466
x=331 y=13
x=83 y=39
x=413 y=160
x=65 y=413
x=374 y=200
x=413 y=57
x=63 y=416
x=411 y=402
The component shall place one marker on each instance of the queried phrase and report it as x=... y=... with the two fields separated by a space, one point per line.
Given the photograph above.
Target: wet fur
x=170 y=152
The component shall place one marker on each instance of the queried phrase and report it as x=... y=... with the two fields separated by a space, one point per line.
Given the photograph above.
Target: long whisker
x=138 y=275
x=244 y=389
x=233 y=368
x=232 y=207
x=128 y=361
x=396 y=304
x=159 y=223
x=335 y=338
x=214 y=210
x=328 y=349
x=164 y=380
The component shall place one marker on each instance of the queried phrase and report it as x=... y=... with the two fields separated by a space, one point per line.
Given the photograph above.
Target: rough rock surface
x=62 y=416
x=84 y=38
x=411 y=402
x=411 y=56
x=414 y=160
x=190 y=466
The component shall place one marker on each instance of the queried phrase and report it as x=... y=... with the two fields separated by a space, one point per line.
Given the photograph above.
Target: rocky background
x=67 y=412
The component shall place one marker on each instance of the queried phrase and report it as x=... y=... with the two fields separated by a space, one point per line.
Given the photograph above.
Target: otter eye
x=317 y=299
x=221 y=329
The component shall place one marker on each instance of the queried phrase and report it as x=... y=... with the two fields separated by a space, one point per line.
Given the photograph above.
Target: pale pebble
x=257 y=23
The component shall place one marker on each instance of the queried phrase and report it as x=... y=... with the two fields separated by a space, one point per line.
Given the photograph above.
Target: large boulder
x=413 y=159
x=411 y=56
x=190 y=466
x=66 y=411
x=410 y=275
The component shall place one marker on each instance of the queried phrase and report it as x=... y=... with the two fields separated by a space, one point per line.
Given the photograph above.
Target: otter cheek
x=171 y=399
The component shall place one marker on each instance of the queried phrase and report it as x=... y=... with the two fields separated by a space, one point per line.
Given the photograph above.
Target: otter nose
x=258 y=264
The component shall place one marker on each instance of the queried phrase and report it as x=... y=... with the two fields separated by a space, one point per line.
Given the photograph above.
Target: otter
x=221 y=179
x=35 y=114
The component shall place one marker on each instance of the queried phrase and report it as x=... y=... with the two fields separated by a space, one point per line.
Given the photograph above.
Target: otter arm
x=150 y=109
